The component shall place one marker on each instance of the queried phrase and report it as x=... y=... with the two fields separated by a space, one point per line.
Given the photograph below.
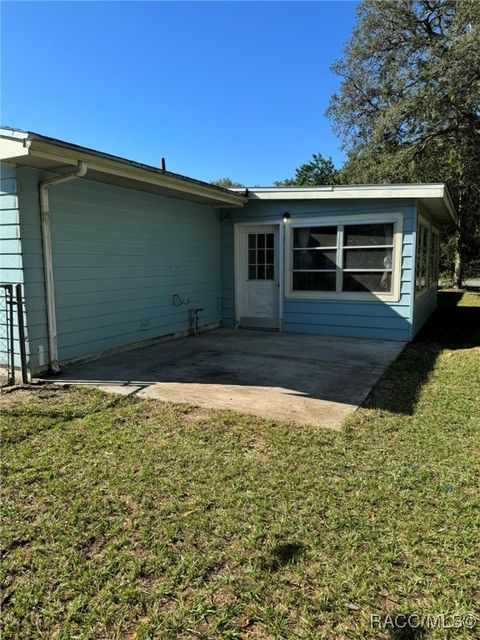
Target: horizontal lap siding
x=10 y=245
x=425 y=305
x=375 y=319
x=119 y=257
x=11 y=262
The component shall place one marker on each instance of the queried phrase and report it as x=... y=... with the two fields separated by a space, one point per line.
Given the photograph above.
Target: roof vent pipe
x=48 y=261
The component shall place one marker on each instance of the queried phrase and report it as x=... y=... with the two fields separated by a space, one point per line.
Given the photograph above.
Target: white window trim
x=434 y=232
x=391 y=296
x=421 y=221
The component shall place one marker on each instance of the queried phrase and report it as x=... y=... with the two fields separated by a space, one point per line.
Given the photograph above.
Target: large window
x=350 y=258
x=421 y=266
x=427 y=256
x=434 y=257
x=315 y=258
x=368 y=257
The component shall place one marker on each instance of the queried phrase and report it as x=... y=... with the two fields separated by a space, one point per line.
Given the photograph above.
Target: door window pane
x=367 y=234
x=261 y=261
x=314 y=281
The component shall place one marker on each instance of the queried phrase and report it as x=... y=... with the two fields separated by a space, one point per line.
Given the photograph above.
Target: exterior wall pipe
x=48 y=260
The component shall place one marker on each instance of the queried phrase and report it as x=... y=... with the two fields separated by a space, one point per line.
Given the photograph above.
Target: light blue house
x=112 y=253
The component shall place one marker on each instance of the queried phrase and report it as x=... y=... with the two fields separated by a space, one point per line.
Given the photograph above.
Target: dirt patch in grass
x=18 y=395
x=197 y=414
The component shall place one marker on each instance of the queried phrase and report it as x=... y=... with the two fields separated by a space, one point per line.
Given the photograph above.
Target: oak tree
x=408 y=108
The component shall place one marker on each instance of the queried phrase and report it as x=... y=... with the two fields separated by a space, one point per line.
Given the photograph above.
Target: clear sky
x=235 y=89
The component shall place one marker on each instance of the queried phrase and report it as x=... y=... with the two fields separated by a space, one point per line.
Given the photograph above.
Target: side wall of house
x=129 y=266
x=335 y=317
x=11 y=262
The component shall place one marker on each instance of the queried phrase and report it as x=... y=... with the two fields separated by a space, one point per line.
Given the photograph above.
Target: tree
x=408 y=109
x=318 y=171
x=226 y=183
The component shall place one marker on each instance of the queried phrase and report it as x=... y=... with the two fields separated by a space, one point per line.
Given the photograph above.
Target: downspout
x=48 y=261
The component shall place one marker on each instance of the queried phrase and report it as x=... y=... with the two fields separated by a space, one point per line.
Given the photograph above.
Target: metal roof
x=33 y=149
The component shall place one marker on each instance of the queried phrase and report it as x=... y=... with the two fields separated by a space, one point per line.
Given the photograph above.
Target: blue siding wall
x=369 y=319
x=119 y=255
x=11 y=263
x=424 y=305
x=10 y=246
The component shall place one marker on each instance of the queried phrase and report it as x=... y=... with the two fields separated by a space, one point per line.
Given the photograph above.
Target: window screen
x=350 y=258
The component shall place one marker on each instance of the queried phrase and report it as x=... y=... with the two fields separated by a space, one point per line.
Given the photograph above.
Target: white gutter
x=48 y=261
x=348 y=191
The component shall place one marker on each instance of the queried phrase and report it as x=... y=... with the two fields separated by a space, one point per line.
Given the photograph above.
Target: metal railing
x=13 y=357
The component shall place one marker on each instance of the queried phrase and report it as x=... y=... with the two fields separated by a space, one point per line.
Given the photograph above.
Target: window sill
x=343 y=296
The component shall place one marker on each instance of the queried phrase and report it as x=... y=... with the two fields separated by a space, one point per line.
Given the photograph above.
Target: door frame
x=238 y=227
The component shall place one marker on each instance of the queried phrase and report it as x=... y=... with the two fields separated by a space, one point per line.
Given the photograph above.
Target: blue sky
x=234 y=89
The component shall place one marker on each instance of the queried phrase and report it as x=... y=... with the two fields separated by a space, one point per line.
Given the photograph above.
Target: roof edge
x=37 y=144
x=344 y=187
x=437 y=191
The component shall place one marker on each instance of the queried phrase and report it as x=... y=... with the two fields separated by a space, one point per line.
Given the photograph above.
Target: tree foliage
x=408 y=109
x=318 y=171
x=227 y=183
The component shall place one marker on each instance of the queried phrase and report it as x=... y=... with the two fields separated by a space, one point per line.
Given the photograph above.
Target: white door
x=258 y=276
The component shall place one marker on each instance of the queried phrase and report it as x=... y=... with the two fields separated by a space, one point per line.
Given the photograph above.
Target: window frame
x=434 y=274
x=421 y=257
x=260 y=264
x=340 y=221
x=432 y=232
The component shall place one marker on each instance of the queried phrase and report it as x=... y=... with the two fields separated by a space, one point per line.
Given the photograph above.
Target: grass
x=134 y=519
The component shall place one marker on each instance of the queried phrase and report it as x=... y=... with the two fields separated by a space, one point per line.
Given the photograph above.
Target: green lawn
x=135 y=519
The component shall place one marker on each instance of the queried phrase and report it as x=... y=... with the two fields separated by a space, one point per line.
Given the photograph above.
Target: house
x=112 y=253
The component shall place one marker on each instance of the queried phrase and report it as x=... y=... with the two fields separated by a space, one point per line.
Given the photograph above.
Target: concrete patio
x=307 y=379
